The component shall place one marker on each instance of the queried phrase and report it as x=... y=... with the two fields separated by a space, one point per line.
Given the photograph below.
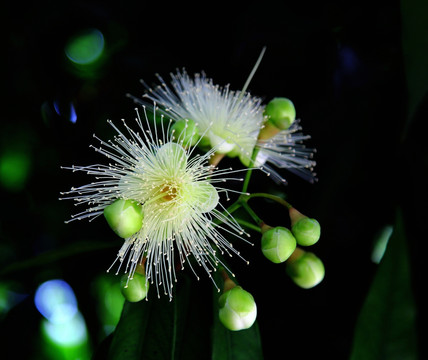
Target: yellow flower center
x=169 y=191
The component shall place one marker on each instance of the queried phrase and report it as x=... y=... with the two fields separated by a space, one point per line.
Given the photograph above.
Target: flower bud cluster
x=279 y=244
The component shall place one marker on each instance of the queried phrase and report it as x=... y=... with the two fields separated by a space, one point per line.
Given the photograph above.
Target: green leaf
x=233 y=345
x=236 y=345
x=126 y=342
x=101 y=353
x=386 y=326
x=415 y=56
x=162 y=329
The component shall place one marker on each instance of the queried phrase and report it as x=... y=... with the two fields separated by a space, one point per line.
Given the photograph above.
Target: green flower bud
x=204 y=143
x=278 y=244
x=134 y=289
x=222 y=146
x=306 y=271
x=307 y=231
x=280 y=112
x=185 y=131
x=238 y=310
x=125 y=217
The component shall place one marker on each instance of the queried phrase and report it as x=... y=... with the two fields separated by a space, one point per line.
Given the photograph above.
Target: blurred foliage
x=386 y=327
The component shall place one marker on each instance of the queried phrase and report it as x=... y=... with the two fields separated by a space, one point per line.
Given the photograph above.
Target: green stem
x=250 y=170
x=251 y=212
x=275 y=198
x=235 y=206
x=248 y=225
x=242 y=201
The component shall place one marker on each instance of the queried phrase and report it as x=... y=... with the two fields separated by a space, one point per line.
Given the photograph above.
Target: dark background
x=341 y=63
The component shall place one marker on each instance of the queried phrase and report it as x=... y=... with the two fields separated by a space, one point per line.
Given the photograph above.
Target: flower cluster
x=161 y=190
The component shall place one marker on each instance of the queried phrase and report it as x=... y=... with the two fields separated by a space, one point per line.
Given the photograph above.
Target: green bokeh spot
x=86 y=48
x=14 y=169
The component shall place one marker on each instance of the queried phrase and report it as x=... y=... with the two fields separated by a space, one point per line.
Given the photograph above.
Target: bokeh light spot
x=73 y=115
x=71 y=332
x=56 y=301
x=86 y=47
x=14 y=169
x=69 y=113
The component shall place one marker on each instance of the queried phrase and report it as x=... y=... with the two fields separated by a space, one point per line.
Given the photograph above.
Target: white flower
x=178 y=192
x=232 y=121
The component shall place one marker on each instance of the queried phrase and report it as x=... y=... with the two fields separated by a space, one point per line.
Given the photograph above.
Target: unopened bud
x=238 y=310
x=222 y=146
x=186 y=132
x=134 y=289
x=307 y=231
x=204 y=143
x=307 y=270
x=278 y=244
x=280 y=112
x=125 y=217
